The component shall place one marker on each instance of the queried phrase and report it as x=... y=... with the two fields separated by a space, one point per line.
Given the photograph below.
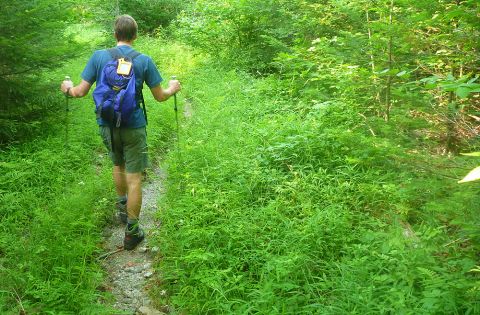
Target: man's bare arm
x=160 y=94
x=76 y=91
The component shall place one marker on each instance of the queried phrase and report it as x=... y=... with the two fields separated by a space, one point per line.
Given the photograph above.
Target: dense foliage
x=317 y=175
x=372 y=51
x=317 y=183
x=38 y=37
x=152 y=14
x=32 y=40
x=272 y=210
x=50 y=214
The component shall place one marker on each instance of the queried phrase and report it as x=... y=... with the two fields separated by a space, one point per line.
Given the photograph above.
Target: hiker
x=126 y=142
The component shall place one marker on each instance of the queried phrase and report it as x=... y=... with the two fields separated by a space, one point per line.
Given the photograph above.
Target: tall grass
x=274 y=210
x=272 y=206
x=54 y=198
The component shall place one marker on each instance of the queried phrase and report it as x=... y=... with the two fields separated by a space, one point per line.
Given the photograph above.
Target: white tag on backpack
x=124 y=67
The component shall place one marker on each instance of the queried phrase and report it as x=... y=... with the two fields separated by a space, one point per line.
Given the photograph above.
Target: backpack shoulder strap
x=115 y=53
x=133 y=54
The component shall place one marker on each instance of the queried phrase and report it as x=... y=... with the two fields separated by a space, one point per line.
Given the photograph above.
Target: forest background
x=318 y=174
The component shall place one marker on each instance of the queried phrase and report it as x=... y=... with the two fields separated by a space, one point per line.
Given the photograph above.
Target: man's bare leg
x=134 y=189
x=120 y=180
x=133 y=233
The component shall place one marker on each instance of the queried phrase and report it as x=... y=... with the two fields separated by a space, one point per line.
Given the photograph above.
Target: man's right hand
x=160 y=94
x=174 y=86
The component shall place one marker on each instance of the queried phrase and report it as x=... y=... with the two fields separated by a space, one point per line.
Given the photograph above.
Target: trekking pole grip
x=67 y=78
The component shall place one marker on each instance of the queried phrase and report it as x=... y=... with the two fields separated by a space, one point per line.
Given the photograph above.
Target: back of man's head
x=125 y=28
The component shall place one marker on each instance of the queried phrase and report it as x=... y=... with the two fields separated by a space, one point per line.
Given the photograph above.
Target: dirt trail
x=129 y=271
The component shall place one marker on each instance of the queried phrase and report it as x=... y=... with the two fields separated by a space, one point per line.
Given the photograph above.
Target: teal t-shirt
x=145 y=71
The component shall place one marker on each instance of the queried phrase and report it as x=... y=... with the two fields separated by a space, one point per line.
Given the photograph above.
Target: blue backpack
x=115 y=94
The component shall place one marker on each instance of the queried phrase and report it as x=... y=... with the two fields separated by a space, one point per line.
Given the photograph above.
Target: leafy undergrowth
x=53 y=201
x=270 y=208
x=275 y=211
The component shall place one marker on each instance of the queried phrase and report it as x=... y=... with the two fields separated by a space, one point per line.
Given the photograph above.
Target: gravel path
x=130 y=271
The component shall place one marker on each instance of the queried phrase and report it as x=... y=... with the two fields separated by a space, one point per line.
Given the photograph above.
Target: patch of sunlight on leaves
x=86 y=33
x=472 y=154
x=472 y=176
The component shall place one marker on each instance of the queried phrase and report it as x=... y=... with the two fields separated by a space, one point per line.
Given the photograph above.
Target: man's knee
x=134 y=179
x=119 y=168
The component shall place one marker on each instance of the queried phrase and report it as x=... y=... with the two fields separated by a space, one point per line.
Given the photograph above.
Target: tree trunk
x=372 y=60
x=452 y=139
x=388 y=89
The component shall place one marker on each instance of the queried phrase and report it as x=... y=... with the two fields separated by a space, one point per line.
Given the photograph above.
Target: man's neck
x=120 y=43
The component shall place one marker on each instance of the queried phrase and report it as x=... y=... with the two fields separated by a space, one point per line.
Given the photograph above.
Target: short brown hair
x=125 y=28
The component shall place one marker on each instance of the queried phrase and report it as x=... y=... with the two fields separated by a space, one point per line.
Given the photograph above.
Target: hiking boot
x=133 y=238
x=122 y=211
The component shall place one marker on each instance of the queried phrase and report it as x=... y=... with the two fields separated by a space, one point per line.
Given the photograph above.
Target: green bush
x=280 y=211
x=151 y=15
x=51 y=219
x=249 y=34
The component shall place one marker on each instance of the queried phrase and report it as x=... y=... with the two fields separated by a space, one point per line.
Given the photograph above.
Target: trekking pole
x=67 y=78
x=67 y=109
x=176 y=118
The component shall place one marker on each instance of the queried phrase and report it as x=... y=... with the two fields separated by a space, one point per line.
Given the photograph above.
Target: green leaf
x=430 y=80
x=471 y=154
x=471 y=85
x=450 y=77
x=449 y=86
x=472 y=176
x=472 y=80
x=462 y=92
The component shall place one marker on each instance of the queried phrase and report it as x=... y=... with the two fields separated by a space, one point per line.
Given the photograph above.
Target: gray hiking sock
x=132 y=225
x=121 y=206
x=122 y=199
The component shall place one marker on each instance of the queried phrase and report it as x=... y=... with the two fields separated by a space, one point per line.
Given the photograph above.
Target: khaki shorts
x=129 y=147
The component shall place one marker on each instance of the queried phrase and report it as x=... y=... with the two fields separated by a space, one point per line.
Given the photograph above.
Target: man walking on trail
x=127 y=145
